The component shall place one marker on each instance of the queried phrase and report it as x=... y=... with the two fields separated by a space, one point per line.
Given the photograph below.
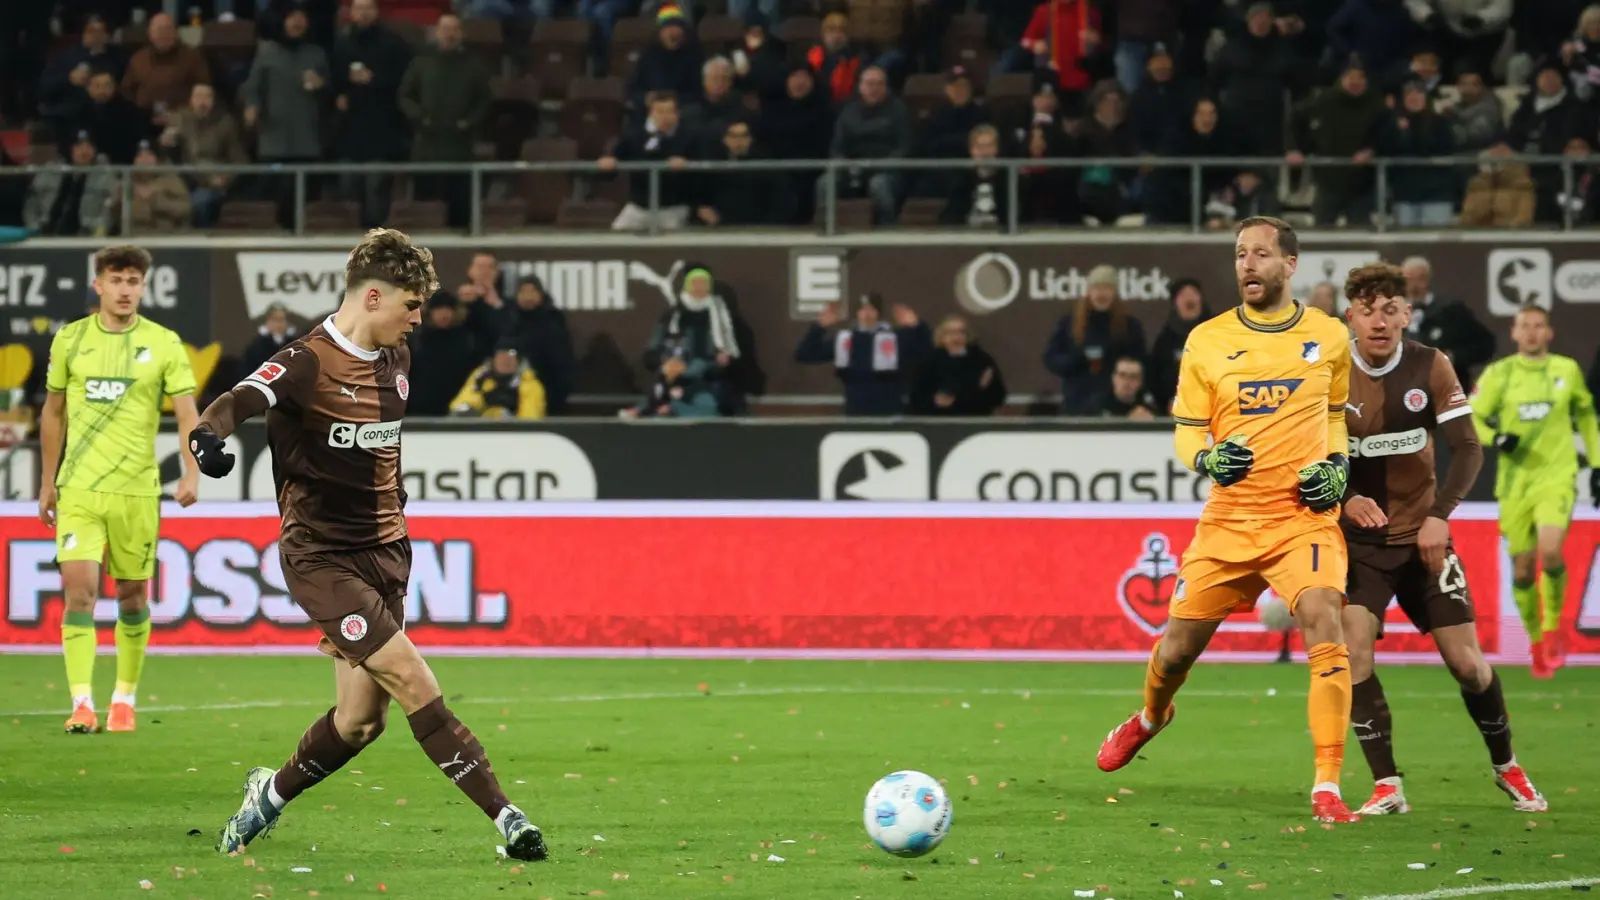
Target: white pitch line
x=793 y=691
x=1489 y=890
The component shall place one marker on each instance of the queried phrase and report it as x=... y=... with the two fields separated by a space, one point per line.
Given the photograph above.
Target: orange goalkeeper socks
x=1329 y=709
x=1160 y=686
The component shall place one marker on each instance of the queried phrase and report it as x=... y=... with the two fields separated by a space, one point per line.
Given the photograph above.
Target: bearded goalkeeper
x=1527 y=406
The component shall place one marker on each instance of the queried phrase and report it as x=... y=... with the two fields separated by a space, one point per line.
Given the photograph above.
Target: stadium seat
x=415 y=215
x=1009 y=97
x=557 y=53
x=587 y=214
x=203 y=363
x=43 y=154
x=966 y=43
x=631 y=36
x=16 y=364
x=922 y=212
x=615 y=189
x=720 y=34
x=592 y=114
x=544 y=192
x=484 y=38
x=132 y=36
x=513 y=113
x=800 y=33
x=505 y=215
x=228 y=45
x=333 y=215
x=248 y=215
x=923 y=94
x=877 y=23
x=849 y=215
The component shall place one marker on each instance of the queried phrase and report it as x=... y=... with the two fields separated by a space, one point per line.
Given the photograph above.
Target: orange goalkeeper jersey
x=1283 y=387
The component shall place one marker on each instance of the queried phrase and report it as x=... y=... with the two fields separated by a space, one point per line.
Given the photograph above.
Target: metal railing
x=831 y=173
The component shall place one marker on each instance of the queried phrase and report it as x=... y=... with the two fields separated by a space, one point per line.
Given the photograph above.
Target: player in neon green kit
x=1528 y=406
x=108 y=373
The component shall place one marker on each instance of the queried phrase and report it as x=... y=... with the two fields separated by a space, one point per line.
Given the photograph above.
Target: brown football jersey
x=1392 y=415
x=333 y=426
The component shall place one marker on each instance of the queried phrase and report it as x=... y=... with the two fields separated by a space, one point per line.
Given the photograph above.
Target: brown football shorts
x=1380 y=573
x=356 y=597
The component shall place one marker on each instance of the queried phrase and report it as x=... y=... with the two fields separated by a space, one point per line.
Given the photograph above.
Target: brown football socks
x=321 y=753
x=1488 y=711
x=456 y=751
x=1374 y=727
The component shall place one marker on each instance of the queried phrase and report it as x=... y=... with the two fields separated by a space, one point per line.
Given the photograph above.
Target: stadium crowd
x=280 y=81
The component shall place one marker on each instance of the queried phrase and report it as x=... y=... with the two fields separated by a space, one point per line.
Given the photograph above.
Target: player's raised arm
x=282 y=378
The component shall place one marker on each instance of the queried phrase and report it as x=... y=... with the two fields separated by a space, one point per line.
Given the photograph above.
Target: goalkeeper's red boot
x=1125 y=742
x=1326 y=806
x=1555 y=650
x=1539 y=667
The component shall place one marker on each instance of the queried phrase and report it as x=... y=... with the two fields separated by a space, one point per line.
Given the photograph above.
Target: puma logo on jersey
x=351 y=393
x=105 y=390
x=1533 y=412
x=1263 y=398
x=1355 y=408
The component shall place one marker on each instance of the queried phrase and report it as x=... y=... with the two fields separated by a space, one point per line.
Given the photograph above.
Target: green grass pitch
x=648 y=786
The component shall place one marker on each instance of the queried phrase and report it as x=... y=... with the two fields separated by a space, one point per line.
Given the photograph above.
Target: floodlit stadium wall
x=953 y=580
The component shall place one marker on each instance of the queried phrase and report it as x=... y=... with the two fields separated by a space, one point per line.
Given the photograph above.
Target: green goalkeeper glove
x=1323 y=482
x=1226 y=463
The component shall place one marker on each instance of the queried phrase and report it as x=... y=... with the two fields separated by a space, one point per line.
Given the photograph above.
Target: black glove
x=1506 y=443
x=1322 y=483
x=207 y=450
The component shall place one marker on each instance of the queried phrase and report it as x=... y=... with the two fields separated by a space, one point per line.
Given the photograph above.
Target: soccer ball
x=907 y=813
x=1274 y=613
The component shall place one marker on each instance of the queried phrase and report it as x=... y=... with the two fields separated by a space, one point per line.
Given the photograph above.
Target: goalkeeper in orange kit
x=1267 y=382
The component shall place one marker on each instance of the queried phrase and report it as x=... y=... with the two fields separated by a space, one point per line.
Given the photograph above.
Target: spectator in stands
x=1249 y=76
x=1044 y=109
x=718 y=104
x=282 y=97
x=1161 y=106
x=1582 y=203
x=1342 y=121
x=1086 y=342
x=1048 y=194
x=874 y=126
x=1379 y=32
x=482 y=310
x=161 y=74
x=1469 y=33
x=603 y=15
x=837 y=62
x=1169 y=195
x=502 y=388
x=1324 y=296
x=1106 y=191
x=540 y=333
x=660 y=138
x=204 y=133
x=160 y=199
x=1141 y=25
x=959 y=378
x=64 y=89
x=1425 y=70
x=1451 y=327
x=699 y=330
x=979 y=197
x=1128 y=397
x=1424 y=196
x=748 y=11
x=742 y=197
x=1476 y=119
x=445 y=94
x=1060 y=41
x=1501 y=195
x=759 y=64
x=115 y=125
x=276 y=330
x=444 y=349
x=671 y=64
x=369 y=62
x=947 y=133
x=1549 y=116
x=72 y=200
x=675 y=394
x=873 y=359
x=798 y=125
x=1188 y=310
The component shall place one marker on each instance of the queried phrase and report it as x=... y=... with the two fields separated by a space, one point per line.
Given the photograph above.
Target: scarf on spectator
x=718 y=317
x=885 y=348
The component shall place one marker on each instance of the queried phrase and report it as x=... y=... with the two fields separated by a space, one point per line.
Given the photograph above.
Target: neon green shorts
x=1522 y=517
x=117 y=528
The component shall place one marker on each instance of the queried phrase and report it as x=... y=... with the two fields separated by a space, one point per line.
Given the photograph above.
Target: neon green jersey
x=1543 y=402
x=114 y=382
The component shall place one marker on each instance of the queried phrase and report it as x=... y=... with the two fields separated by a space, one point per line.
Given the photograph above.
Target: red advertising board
x=1062 y=581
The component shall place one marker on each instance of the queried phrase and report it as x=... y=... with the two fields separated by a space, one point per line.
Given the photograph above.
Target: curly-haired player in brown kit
x=334 y=400
x=1402 y=395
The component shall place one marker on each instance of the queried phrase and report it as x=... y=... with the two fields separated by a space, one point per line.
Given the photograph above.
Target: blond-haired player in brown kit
x=334 y=400
x=1396 y=523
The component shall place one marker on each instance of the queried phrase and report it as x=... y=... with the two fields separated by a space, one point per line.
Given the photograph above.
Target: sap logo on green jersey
x=105 y=390
x=141 y=354
x=1533 y=412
